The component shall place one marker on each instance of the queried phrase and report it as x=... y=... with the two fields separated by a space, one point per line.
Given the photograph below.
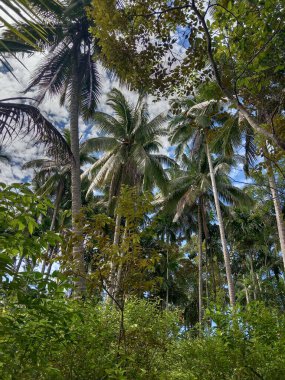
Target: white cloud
x=22 y=151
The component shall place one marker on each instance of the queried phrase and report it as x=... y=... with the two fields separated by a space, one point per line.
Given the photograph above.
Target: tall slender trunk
x=167 y=280
x=246 y=291
x=200 y=253
x=253 y=278
x=58 y=197
x=116 y=240
x=221 y=228
x=52 y=253
x=277 y=208
x=112 y=278
x=209 y=254
x=77 y=252
x=120 y=267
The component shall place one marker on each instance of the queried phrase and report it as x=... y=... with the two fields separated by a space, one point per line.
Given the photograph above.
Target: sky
x=21 y=151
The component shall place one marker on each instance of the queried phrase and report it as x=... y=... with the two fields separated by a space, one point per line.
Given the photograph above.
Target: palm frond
x=40 y=163
x=91 y=87
x=22 y=119
x=155 y=174
x=228 y=137
x=11 y=47
x=165 y=160
x=149 y=129
x=53 y=72
x=26 y=24
x=189 y=198
x=98 y=144
x=97 y=165
x=208 y=107
x=152 y=146
x=108 y=124
x=104 y=174
x=49 y=185
x=122 y=108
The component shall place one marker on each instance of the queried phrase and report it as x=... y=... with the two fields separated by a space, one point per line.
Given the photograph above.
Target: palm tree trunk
x=246 y=291
x=253 y=277
x=221 y=228
x=209 y=254
x=59 y=193
x=200 y=253
x=120 y=268
x=277 y=208
x=77 y=252
x=167 y=280
x=116 y=240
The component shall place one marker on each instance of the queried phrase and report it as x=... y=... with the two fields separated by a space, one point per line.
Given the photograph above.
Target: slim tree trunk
x=59 y=193
x=167 y=280
x=253 y=278
x=221 y=228
x=200 y=253
x=246 y=291
x=277 y=208
x=53 y=251
x=120 y=267
x=77 y=252
x=58 y=198
x=209 y=254
x=113 y=264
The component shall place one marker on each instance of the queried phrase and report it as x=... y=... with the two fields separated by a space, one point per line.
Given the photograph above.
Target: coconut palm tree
x=69 y=70
x=196 y=123
x=236 y=132
x=191 y=191
x=276 y=200
x=53 y=179
x=130 y=143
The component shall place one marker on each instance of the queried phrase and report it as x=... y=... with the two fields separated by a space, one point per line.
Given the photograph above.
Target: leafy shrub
x=67 y=339
x=244 y=344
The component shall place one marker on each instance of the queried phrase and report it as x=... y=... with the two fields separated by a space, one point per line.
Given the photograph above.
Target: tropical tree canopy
x=131 y=144
x=144 y=237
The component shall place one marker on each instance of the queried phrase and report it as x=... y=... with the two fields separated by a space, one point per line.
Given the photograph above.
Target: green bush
x=67 y=339
x=243 y=345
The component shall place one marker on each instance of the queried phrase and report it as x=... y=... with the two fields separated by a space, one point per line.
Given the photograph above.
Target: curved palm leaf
x=99 y=144
x=22 y=119
x=130 y=141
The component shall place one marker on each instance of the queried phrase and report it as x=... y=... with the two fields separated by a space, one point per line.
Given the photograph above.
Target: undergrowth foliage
x=47 y=335
x=150 y=244
x=66 y=339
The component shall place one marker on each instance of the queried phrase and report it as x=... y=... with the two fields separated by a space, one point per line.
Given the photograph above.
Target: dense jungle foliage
x=151 y=246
